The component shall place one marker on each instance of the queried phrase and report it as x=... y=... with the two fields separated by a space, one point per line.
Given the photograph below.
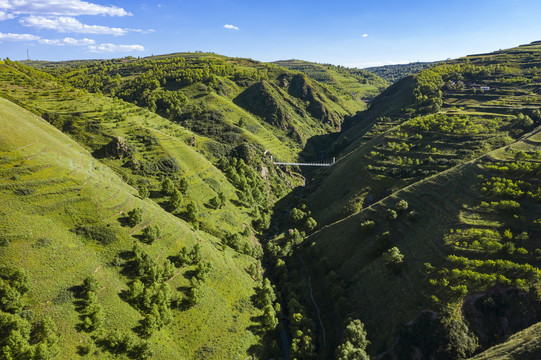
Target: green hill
x=354 y=86
x=64 y=220
x=423 y=239
x=393 y=73
x=523 y=345
x=211 y=95
x=429 y=170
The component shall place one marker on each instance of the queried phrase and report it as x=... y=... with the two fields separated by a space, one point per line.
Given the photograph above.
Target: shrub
x=99 y=233
x=25 y=191
x=391 y=214
x=402 y=205
x=135 y=216
x=144 y=192
x=368 y=226
x=393 y=256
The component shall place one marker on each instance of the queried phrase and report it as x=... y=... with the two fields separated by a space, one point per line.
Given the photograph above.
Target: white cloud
x=230 y=27
x=69 y=24
x=102 y=48
x=67 y=41
x=5 y=16
x=17 y=37
x=60 y=7
x=364 y=35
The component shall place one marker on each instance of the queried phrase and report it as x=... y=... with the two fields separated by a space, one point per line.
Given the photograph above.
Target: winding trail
x=314 y=301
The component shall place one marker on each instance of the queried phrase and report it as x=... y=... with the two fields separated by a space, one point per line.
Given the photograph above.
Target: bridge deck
x=301 y=164
x=304 y=164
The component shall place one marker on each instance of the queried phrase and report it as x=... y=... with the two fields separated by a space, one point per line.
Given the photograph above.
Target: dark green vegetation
x=229 y=100
x=393 y=73
x=156 y=225
x=351 y=85
x=432 y=211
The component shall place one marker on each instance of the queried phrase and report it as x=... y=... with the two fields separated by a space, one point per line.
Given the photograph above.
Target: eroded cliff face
x=497 y=313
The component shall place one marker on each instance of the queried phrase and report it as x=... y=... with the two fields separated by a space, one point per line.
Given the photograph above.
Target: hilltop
x=351 y=84
x=393 y=73
x=226 y=99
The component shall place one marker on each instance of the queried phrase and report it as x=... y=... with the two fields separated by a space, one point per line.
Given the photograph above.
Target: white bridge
x=306 y=164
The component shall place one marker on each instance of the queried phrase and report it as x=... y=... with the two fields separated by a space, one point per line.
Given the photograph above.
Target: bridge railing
x=305 y=164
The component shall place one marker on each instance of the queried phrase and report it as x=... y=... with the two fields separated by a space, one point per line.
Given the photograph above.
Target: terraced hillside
x=429 y=215
x=354 y=86
x=474 y=105
x=65 y=226
x=230 y=100
x=421 y=241
x=144 y=148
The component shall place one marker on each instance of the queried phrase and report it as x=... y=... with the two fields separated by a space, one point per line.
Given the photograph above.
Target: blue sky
x=351 y=33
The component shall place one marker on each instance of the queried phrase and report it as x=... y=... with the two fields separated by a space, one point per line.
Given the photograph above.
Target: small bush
x=144 y=192
x=151 y=234
x=391 y=215
x=402 y=205
x=393 y=256
x=43 y=242
x=168 y=164
x=25 y=191
x=368 y=226
x=135 y=216
x=98 y=233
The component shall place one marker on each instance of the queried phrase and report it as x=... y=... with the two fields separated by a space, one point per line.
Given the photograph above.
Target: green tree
x=175 y=201
x=269 y=318
x=222 y=199
x=143 y=191
x=391 y=214
x=151 y=233
x=202 y=270
x=311 y=224
x=194 y=296
x=402 y=205
x=191 y=213
x=460 y=342
x=393 y=256
x=296 y=215
x=354 y=342
x=368 y=226
x=148 y=325
x=135 y=216
x=183 y=186
x=195 y=254
x=214 y=202
x=167 y=186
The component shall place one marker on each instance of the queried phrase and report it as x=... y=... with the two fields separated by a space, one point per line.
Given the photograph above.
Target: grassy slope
x=444 y=201
x=383 y=300
x=353 y=89
x=524 y=345
x=504 y=98
x=257 y=129
x=204 y=179
x=73 y=188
